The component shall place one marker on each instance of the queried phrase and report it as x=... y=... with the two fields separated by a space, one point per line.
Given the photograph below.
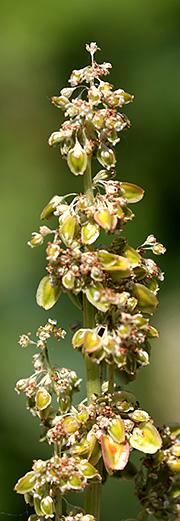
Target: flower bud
x=55 y=138
x=158 y=249
x=60 y=102
x=98 y=119
x=67 y=91
x=21 y=384
x=105 y=88
x=76 y=77
x=36 y=240
x=94 y=95
x=77 y=159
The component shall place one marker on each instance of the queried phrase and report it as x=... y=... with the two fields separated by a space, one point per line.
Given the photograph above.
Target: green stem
x=58 y=510
x=88 y=190
x=93 y=383
x=93 y=496
x=111 y=379
x=47 y=358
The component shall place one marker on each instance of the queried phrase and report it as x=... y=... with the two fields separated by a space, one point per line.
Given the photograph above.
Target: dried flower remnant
x=116 y=289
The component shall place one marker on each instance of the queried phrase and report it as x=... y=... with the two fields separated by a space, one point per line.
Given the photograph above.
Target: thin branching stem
x=93 y=382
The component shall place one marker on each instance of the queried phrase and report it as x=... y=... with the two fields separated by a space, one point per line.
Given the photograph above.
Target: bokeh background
x=41 y=42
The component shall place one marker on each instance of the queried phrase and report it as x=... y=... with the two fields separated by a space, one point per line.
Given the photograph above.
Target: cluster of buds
x=158 y=482
x=119 y=281
x=94 y=122
x=71 y=517
x=110 y=427
x=126 y=344
x=57 y=474
x=116 y=287
x=47 y=381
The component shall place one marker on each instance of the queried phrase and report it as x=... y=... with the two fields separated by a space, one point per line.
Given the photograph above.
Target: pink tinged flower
x=115 y=455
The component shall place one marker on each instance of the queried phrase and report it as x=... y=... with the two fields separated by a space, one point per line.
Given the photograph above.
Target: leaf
x=131 y=192
x=146 y=438
x=115 y=455
x=147 y=300
x=46 y=295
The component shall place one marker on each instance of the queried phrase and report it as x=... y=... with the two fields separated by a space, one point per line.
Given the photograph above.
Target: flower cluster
x=158 y=489
x=40 y=485
x=119 y=281
x=47 y=381
x=110 y=427
x=94 y=121
x=116 y=287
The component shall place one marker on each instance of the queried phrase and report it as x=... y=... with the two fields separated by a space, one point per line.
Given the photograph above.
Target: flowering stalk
x=116 y=288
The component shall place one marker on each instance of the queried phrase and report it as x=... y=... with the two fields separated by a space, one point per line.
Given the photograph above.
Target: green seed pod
x=37 y=506
x=117 y=430
x=67 y=230
x=95 y=295
x=131 y=192
x=147 y=300
x=89 y=233
x=28 y=498
x=47 y=295
x=48 y=211
x=77 y=159
x=87 y=469
x=106 y=157
x=43 y=401
x=75 y=482
x=68 y=280
x=146 y=438
x=78 y=338
x=64 y=402
x=47 y=506
x=26 y=483
x=92 y=342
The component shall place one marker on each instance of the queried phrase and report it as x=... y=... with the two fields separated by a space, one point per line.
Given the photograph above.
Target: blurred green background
x=41 y=42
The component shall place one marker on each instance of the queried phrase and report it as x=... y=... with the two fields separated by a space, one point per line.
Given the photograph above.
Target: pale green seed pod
x=77 y=159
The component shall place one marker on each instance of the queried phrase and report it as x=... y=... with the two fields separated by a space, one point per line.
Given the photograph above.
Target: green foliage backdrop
x=41 y=41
